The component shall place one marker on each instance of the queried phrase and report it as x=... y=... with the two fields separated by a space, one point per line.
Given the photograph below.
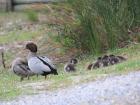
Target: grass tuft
x=32 y=15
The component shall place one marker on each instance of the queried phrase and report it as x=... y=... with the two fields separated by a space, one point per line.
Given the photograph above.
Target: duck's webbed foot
x=45 y=77
x=28 y=77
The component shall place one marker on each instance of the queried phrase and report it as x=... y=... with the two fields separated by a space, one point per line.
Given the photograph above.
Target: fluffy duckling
x=20 y=68
x=106 y=60
x=98 y=63
x=39 y=64
x=89 y=66
x=116 y=59
x=95 y=65
x=113 y=59
x=70 y=66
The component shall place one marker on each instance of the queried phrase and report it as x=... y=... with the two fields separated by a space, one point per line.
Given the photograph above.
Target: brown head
x=99 y=58
x=111 y=55
x=105 y=57
x=32 y=47
x=73 y=61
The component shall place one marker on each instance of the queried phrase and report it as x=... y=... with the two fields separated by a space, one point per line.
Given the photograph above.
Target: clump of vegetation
x=68 y=36
x=32 y=15
x=106 y=22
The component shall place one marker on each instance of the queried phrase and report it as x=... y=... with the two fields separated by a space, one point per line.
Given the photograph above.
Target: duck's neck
x=31 y=54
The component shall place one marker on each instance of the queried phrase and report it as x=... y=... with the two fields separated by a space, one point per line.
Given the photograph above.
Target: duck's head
x=111 y=55
x=32 y=47
x=74 y=61
x=99 y=58
x=105 y=57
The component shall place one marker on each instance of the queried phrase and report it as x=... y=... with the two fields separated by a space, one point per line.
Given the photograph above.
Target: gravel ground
x=118 y=90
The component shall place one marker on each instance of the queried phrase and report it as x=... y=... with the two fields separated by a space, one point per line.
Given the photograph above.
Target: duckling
x=113 y=59
x=73 y=61
x=105 y=60
x=70 y=66
x=90 y=66
x=98 y=63
x=40 y=65
x=20 y=68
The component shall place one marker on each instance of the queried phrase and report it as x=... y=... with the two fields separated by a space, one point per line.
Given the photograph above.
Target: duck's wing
x=37 y=66
x=46 y=60
x=21 y=70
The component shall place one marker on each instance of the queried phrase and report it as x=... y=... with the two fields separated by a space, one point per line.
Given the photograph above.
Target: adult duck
x=20 y=68
x=39 y=64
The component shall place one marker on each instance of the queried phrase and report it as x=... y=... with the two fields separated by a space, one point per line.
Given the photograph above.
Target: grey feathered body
x=20 y=68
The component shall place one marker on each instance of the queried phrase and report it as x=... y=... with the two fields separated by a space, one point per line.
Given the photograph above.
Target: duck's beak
x=26 y=50
x=56 y=74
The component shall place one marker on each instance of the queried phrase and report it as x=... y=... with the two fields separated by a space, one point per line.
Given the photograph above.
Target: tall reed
x=106 y=21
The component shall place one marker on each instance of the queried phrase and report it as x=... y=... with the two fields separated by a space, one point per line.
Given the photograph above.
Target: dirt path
x=118 y=90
